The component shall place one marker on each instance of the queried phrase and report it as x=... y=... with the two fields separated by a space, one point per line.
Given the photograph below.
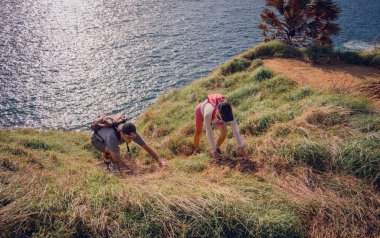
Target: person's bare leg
x=197 y=138
x=222 y=135
x=107 y=159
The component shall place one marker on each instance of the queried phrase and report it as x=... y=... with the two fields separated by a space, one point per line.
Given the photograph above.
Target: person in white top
x=216 y=109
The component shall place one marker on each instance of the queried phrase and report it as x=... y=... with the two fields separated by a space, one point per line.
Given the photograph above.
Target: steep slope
x=314 y=172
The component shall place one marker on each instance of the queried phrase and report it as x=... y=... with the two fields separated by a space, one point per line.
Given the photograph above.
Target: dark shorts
x=98 y=144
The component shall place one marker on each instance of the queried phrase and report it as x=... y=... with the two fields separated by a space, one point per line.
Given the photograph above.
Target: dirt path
x=343 y=78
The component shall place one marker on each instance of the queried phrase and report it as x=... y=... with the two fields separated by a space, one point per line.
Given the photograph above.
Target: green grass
x=361 y=156
x=315 y=157
x=261 y=74
x=272 y=49
x=236 y=65
x=314 y=54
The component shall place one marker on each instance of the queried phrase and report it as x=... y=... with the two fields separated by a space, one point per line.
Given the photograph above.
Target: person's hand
x=163 y=164
x=160 y=163
x=121 y=165
x=247 y=157
x=244 y=154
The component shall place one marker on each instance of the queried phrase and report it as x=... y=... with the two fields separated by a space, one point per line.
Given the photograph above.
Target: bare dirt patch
x=343 y=78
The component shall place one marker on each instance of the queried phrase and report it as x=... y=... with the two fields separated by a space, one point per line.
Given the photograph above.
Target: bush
x=236 y=65
x=351 y=57
x=261 y=74
x=256 y=63
x=372 y=57
x=319 y=54
x=375 y=61
x=273 y=48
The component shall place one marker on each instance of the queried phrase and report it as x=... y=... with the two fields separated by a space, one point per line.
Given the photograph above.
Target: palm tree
x=300 y=22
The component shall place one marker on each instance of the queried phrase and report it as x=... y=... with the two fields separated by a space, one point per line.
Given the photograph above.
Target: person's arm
x=152 y=153
x=140 y=141
x=239 y=141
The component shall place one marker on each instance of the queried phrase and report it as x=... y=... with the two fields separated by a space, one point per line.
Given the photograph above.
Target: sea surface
x=65 y=62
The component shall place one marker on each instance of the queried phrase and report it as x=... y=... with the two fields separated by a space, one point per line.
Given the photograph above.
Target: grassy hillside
x=315 y=168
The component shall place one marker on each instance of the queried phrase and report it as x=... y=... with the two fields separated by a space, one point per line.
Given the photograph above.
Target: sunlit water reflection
x=64 y=62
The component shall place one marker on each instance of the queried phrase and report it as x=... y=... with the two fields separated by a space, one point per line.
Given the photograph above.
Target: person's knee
x=198 y=132
x=223 y=131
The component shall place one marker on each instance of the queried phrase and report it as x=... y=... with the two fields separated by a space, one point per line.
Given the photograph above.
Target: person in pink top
x=216 y=109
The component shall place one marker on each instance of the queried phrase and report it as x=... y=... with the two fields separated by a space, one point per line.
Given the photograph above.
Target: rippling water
x=65 y=62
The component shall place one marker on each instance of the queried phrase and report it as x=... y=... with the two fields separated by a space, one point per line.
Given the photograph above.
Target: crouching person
x=216 y=109
x=108 y=139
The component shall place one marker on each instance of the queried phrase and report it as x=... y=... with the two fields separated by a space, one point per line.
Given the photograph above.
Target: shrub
x=319 y=54
x=375 y=61
x=351 y=57
x=272 y=48
x=256 y=63
x=261 y=74
x=236 y=65
x=372 y=57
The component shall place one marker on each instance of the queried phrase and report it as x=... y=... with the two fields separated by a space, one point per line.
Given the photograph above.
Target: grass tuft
x=313 y=153
x=301 y=93
x=235 y=65
x=361 y=157
x=319 y=54
x=261 y=74
x=38 y=144
x=272 y=48
x=255 y=64
x=238 y=95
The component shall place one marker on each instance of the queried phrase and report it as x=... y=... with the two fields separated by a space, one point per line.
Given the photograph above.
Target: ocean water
x=65 y=62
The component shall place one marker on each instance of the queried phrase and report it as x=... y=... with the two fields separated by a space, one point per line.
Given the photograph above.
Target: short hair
x=128 y=128
x=225 y=111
